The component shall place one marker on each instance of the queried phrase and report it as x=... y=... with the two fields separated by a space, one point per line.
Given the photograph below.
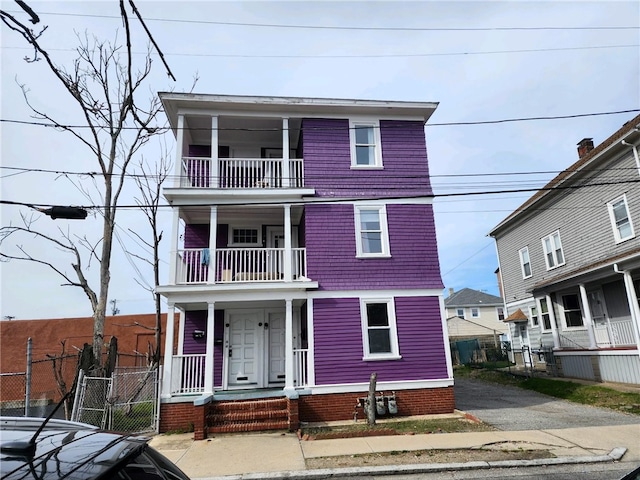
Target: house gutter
x=633 y=303
x=635 y=150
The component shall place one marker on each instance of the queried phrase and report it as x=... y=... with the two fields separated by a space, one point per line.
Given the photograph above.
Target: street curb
x=614 y=455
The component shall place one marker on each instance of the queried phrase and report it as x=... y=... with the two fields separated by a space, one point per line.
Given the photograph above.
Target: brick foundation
x=342 y=406
x=177 y=417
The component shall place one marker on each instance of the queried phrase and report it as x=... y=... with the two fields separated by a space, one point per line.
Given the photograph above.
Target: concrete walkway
x=283 y=454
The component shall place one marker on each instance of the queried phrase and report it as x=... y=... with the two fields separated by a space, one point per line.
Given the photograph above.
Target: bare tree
x=104 y=86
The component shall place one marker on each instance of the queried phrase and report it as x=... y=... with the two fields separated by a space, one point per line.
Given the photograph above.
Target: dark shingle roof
x=469 y=297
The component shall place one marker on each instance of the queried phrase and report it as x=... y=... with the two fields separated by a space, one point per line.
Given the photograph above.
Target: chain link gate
x=127 y=402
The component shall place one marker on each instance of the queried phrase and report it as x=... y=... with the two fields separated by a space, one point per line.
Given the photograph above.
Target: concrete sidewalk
x=283 y=454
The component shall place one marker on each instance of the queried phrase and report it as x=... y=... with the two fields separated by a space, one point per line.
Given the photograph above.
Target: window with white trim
x=245 y=236
x=460 y=312
x=525 y=262
x=545 y=315
x=372 y=235
x=552 y=247
x=533 y=315
x=365 y=144
x=500 y=312
x=379 y=334
x=571 y=310
x=475 y=312
x=620 y=219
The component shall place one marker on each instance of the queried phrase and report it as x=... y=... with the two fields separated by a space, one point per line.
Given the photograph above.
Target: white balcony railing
x=301 y=367
x=241 y=173
x=239 y=265
x=615 y=334
x=187 y=374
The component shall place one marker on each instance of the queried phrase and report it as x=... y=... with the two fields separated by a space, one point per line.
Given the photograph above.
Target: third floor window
x=552 y=247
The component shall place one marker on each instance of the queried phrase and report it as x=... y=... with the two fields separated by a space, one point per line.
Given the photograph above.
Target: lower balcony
x=608 y=335
x=235 y=265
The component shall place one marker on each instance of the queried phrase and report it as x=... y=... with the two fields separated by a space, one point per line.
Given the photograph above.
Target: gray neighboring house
x=472 y=314
x=569 y=260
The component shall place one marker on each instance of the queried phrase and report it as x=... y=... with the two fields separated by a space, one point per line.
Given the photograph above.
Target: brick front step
x=248 y=415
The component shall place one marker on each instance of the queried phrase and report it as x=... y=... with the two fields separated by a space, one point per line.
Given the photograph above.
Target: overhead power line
x=357 y=27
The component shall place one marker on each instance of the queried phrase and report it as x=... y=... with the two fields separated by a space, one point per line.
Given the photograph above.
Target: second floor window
x=553 y=250
x=525 y=263
x=533 y=314
x=475 y=313
x=620 y=220
x=546 y=316
x=380 y=337
x=500 y=312
x=372 y=237
x=460 y=312
x=365 y=145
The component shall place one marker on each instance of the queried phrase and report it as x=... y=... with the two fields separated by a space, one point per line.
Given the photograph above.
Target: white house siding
x=582 y=218
x=488 y=319
x=621 y=367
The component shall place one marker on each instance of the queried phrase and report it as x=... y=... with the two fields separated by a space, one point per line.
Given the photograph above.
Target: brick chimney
x=585 y=146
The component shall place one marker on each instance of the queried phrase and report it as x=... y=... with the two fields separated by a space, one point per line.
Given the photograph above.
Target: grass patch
x=399 y=427
x=594 y=395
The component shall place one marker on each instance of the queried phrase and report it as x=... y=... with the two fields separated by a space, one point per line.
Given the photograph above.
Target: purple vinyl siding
x=197 y=235
x=327 y=161
x=331 y=249
x=197 y=320
x=338 y=342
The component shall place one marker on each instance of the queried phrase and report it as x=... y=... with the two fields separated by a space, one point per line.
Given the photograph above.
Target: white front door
x=526 y=346
x=242 y=349
x=276 y=354
x=599 y=317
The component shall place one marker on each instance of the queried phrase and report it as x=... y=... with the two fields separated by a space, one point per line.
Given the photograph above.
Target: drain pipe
x=633 y=303
x=635 y=151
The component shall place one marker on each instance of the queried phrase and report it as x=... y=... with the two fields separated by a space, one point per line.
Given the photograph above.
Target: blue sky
x=480 y=60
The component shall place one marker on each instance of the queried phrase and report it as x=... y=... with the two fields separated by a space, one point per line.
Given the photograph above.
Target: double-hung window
x=525 y=262
x=475 y=312
x=500 y=312
x=533 y=315
x=245 y=236
x=460 y=312
x=620 y=219
x=372 y=236
x=379 y=334
x=365 y=144
x=572 y=312
x=552 y=247
x=545 y=314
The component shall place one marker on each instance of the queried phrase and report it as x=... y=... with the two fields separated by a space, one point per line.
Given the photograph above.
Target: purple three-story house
x=303 y=260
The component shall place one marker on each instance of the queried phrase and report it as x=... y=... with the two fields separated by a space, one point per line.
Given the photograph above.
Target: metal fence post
x=27 y=389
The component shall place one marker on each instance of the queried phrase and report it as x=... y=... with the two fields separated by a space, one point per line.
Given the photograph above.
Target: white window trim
x=382 y=209
x=377 y=155
x=498 y=314
x=536 y=315
x=247 y=227
x=458 y=312
x=544 y=250
x=477 y=312
x=616 y=232
x=522 y=262
x=540 y=314
x=393 y=331
x=565 y=327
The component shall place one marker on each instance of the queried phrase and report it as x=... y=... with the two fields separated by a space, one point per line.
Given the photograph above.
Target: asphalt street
x=511 y=408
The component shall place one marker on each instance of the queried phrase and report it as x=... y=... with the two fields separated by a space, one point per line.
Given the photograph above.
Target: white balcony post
x=181 y=332
x=213 y=233
x=552 y=320
x=286 y=166
x=214 y=171
x=173 y=255
x=288 y=346
x=288 y=252
x=633 y=305
x=168 y=353
x=208 y=360
x=179 y=147
x=588 y=319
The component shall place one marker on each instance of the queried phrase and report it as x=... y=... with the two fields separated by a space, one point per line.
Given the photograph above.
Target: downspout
x=633 y=303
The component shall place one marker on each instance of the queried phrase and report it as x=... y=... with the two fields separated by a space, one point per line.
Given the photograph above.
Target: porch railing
x=615 y=334
x=239 y=265
x=241 y=173
x=187 y=374
x=301 y=367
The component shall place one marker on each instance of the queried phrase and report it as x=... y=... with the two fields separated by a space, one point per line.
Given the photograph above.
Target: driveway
x=511 y=408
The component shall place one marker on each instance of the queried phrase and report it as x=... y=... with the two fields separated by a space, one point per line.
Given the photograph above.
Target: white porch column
x=588 y=319
x=288 y=346
x=208 y=360
x=552 y=320
x=173 y=253
x=288 y=252
x=179 y=150
x=213 y=233
x=214 y=181
x=168 y=353
x=181 y=332
x=286 y=166
x=633 y=304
